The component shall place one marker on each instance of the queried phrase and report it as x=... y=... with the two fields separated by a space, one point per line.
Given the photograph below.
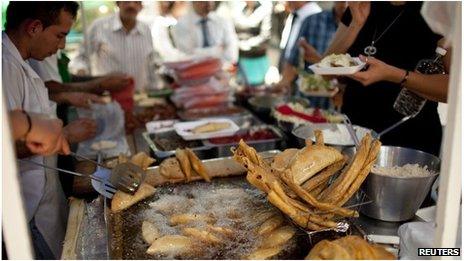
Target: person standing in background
x=201 y=32
x=252 y=21
x=316 y=32
x=117 y=43
x=299 y=10
x=162 y=29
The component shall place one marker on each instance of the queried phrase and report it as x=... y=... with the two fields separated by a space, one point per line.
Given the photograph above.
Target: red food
x=264 y=134
x=206 y=101
x=195 y=69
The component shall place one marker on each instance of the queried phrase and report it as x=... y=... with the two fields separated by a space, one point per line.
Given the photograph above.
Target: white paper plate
x=160 y=126
x=338 y=70
x=183 y=129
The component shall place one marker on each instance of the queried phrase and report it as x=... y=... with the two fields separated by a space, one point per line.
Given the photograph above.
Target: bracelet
x=405 y=78
x=29 y=122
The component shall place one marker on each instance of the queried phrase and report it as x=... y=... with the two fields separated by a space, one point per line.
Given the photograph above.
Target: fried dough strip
x=184 y=161
x=335 y=191
x=315 y=192
x=248 y=152
x=293 y=213
x=197 y=165
x=317 y=204
x=305 y=211
x=319 y=137
x=324 y=175
x=277 y=187
x=371 y=159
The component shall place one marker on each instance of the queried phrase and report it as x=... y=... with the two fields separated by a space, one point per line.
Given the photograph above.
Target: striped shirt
x=111 y=49
x=318 y=31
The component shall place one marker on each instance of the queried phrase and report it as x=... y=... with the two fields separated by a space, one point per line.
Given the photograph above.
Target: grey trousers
x=41 y=248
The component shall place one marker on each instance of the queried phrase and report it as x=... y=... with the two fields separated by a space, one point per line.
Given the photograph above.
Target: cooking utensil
x=398 y=198
x=87 y=159
x=127 y=177
x=287 y=110
x=108 y=186
x=351 y=130
x=394 y=126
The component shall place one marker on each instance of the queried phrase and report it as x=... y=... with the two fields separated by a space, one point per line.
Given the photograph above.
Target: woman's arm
x=430 y=86
x=345 y=35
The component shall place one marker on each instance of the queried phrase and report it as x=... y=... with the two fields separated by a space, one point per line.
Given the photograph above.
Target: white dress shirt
x=163 y=39
x=111 y=49
x=222 y=37
x=290 y=33
x=43 y=196
x=260 y=19
x=47 y=69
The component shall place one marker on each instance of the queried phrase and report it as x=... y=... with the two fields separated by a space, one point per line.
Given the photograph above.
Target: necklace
x=370 y=50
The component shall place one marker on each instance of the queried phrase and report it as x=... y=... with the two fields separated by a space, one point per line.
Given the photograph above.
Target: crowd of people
x=38 y=76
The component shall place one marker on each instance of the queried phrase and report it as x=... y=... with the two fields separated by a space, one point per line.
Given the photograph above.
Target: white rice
x=405 y=171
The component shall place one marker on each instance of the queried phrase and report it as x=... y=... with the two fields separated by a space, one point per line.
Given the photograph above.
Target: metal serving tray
x=223 y=150
x=202 y=150
x=120 y=237
x=198 y=147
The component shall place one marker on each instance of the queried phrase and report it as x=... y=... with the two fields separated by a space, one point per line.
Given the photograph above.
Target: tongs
x=351 y=130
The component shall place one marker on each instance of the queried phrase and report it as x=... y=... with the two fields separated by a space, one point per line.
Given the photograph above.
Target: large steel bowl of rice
x=398 y=183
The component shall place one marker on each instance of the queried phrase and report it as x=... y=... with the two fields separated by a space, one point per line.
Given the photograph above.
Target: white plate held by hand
x=184 y=129
x=338 y=70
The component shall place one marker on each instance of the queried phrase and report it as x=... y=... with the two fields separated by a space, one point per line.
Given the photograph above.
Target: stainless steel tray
x=200 y=149
x=203 y=150
x=223 y=150
x=183 y=115
x=225 y=167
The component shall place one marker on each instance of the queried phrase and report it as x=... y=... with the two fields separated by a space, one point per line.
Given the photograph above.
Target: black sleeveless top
x=407 y=41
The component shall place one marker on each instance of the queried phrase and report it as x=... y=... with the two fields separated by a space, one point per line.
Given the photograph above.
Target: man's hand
x=359 y=11
x=80 y=130
x=46 y=136
x=310 y=53
x=114 y=82
x=377 y=71
x=81 y=99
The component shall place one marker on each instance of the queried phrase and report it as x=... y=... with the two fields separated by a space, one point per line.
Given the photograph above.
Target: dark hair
x=46 y=11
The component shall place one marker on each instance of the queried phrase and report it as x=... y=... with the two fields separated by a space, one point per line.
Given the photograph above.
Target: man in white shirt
x=162 y=30
x=38 y=33
x=202 y=32
x=117 y=43
x=299 y=11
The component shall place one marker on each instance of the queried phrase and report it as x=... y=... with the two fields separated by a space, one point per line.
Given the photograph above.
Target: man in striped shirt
x=117 y=43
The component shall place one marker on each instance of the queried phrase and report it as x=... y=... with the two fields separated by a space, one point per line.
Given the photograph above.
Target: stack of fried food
x=297 y=181
x=184 y=166
x=349 y=247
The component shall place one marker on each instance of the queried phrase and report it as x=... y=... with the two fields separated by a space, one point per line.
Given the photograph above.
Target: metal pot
x=397 y=199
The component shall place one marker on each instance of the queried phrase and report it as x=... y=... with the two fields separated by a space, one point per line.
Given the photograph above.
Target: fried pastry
x=123 y=200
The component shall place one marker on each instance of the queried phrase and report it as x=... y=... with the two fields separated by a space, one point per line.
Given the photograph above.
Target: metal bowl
x=397 y=199
x=304 y=132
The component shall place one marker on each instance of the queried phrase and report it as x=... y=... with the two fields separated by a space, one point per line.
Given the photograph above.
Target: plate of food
x=205 y=129
x=338 y=64
x=314 y=85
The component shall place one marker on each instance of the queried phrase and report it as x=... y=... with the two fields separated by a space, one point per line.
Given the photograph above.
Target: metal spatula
x=126 y=176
